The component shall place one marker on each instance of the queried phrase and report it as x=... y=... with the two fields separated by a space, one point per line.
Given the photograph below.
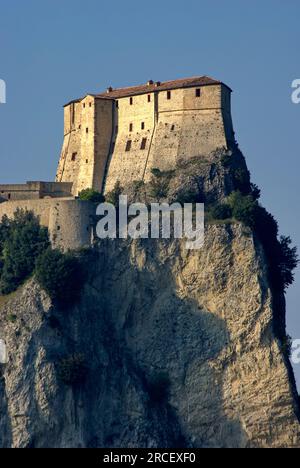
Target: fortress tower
x=120 y=135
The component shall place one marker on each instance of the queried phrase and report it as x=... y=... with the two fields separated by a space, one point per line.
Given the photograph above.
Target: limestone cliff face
x=203 y=319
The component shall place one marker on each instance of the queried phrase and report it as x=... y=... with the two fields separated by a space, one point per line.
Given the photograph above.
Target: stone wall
x=69 y=220
x=87 y=137
x=109 y=140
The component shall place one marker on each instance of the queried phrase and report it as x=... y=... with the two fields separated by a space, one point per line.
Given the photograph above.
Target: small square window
x=149 y=97
x=143 y=125
x=130 y=127
x=131 y=101
x=73 y=157
x=198 y=92
x=168 y=94
x=128 y=145
x=143 y=144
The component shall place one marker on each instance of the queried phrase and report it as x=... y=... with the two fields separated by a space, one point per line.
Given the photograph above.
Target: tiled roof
x=160 y=86
x=152 y=86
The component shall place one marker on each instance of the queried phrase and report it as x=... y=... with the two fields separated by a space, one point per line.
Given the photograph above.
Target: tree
x=243 y=208
x=22 y=240
x=221 y=211
x=60 y=275
x=92 y=195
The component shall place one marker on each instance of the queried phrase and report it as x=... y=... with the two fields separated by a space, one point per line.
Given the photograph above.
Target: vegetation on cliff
x=25 y=251
x=22 y=240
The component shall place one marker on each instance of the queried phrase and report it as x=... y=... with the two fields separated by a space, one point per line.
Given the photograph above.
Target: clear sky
x=54 y=51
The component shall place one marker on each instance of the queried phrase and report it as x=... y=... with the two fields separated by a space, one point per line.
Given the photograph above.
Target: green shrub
x=72 y=370
x=243 y=208
x=188 y=195
x=255 y=191
x=241 y=179
x=221 y=211
x=286 y=346
x=22 y=240
x=60 y=275
x=92 y=195
x=226 y=160
x=282 y=257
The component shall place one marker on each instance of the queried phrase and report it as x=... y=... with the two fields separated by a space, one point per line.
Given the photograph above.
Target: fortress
x=120 y=135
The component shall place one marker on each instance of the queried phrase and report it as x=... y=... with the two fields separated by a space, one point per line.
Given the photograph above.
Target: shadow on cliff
x=5 y=424
x=174 y=342
x=154 y=378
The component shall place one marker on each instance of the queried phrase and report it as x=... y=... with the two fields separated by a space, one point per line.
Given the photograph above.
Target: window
x=130 y=127
x=86 y=130
x=73 y=157
x=86 y=161
x=168 y=94
x=172 y=128
x=131 y=101
x=117 y=104
x=128 y=145
x=90 y=104
x=58 y=228
x=79 y=127
x=149 y=97
x=9 y=196
x=143 y=125
x=198 y=92
x=143 y=144
x=83 y=106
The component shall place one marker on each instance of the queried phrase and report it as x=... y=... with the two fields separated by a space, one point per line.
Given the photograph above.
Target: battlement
x=121 y=134
x=35 y=190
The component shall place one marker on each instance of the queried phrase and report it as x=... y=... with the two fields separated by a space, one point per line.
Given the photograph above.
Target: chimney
x=150 y=82
x=158 y=83
x=109 y=90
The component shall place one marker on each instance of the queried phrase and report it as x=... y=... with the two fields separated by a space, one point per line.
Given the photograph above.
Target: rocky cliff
x=174 y=348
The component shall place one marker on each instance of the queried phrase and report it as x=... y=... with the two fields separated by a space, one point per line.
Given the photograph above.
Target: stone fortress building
x=123 y=133
x=120 y=135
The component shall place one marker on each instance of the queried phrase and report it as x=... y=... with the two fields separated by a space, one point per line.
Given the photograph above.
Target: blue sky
x=53 y=51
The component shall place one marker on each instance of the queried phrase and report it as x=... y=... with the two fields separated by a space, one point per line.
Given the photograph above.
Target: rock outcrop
x=179 y=349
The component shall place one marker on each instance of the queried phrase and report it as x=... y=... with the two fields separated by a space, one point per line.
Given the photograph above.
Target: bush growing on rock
x=22 y=240
x=60 y=275
x=220 y=211
x=92 y=195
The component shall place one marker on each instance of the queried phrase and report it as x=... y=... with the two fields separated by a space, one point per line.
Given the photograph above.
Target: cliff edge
x=166 y=348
